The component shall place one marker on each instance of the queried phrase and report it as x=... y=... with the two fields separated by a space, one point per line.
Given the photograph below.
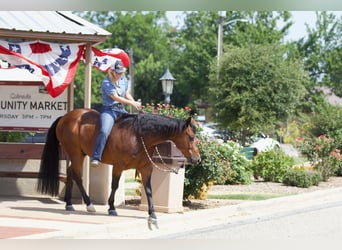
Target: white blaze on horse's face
x=188 y=143
x=195 y=157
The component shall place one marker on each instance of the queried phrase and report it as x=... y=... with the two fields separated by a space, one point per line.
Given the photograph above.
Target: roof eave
x=61 y=37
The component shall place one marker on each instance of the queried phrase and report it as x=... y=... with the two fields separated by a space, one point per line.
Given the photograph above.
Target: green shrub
x=222 y=163
x=323 y=153
x=302 y=178
x=271 y=165
x=12 y=136
x=209 y=169
x=339 y=170
x=236 y=168
x=168 y=110
x=290 y=131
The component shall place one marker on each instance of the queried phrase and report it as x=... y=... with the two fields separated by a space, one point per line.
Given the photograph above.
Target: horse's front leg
x=152 y=219
x=111 y=199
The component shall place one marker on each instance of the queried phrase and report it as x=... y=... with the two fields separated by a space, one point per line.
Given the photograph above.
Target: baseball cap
x=118 y=67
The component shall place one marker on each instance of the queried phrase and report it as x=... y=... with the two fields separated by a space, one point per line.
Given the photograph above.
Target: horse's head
x=187 y=142
x=160 y=128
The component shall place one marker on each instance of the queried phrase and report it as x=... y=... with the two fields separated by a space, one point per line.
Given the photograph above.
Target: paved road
x=319 y=222
x=289 y=150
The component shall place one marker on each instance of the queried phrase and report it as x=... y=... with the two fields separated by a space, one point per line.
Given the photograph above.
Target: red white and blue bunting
x=103 y=59
x=56 y=63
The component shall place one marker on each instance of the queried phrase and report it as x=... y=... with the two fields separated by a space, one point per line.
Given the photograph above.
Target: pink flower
x=324 y=138
x=336 y=154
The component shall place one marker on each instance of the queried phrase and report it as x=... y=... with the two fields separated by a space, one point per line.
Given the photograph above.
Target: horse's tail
x=48 y=179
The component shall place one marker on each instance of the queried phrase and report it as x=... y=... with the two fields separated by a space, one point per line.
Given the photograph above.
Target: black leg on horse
x=86 y=199
x=152 y=219
x=68 y=191
x=111 y=199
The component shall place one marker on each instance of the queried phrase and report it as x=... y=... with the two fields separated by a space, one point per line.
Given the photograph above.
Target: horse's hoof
x=152 y=221
x=69 y=208
x=112 y=212
x=91 y=208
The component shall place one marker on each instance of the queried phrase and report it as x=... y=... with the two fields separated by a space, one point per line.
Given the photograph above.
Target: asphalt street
x=319 y=222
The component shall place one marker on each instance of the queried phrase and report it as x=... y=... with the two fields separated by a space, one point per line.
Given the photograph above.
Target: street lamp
x=167 y=83
x=222 y=15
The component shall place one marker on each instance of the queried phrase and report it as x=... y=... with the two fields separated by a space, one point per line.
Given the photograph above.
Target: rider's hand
x=137 y=105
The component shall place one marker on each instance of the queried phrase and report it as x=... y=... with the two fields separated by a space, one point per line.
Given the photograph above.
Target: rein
x=167 y=168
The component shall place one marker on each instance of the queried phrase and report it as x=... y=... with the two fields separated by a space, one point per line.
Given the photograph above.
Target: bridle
x=166 y=167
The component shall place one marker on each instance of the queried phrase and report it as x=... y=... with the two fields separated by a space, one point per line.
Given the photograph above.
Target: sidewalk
x=45 y=218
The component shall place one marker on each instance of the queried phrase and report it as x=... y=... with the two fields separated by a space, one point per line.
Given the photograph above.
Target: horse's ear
x=189 y=121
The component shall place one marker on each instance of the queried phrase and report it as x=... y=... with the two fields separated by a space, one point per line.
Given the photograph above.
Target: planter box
x=167 y=187
x=19 y=169
x=100 y=185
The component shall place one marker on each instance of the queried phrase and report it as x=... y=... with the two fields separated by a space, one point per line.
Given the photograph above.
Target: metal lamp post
x=167 y=83
x=222 y=15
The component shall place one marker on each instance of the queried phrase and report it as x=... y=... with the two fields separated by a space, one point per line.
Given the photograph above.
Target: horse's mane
x=144 y=124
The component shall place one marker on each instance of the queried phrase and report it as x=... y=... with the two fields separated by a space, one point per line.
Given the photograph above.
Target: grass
x=131 y=192
x=256 y=197
x=130 y=178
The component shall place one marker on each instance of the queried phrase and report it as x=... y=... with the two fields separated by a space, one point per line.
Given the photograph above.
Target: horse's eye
x=192 y=138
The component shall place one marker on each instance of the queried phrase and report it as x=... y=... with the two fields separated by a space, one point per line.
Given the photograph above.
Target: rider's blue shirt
x=108 y=89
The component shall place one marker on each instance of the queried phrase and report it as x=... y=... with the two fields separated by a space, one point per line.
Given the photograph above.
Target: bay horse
x=131 y=144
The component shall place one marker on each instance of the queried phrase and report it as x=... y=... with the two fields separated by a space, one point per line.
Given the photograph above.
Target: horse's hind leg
x=74 y=172
x=86 y=199
x=68 y=190
x=115 y=184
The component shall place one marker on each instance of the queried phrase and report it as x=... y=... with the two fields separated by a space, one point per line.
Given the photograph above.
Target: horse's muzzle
x=194 y=160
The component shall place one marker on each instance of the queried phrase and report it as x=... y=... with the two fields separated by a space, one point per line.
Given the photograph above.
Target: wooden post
x=71 y=96
x=131 y=76
x=87 y=104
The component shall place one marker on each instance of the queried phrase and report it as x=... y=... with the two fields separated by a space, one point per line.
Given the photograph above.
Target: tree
x=326 y=119
x=323 y=52
x=196 y=43
x=262 y=28
x=255 y=87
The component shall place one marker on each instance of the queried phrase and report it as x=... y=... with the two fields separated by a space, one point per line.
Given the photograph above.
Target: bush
x=302 y=178
x=289 y=132
x=222 y=163
x=323 y=153
x=271 y=165
x=236 y=168
x=168 y=110
x=208 y=171
x=12 y=136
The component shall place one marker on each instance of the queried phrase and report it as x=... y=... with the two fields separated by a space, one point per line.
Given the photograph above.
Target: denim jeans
x=107 y=119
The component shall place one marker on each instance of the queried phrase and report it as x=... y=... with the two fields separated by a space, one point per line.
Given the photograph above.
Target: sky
x=297 y=30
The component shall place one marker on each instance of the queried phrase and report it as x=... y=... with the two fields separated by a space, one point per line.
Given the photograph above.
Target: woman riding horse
x=130 y=144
